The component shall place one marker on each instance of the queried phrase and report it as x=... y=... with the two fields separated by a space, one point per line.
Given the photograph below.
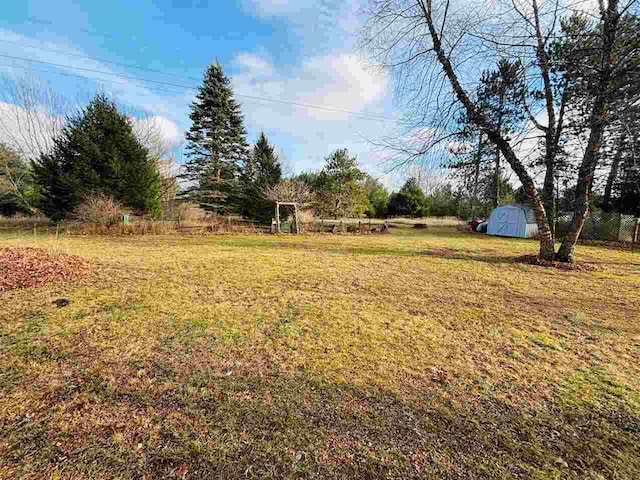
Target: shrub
x=99 y=209
x=191 y=213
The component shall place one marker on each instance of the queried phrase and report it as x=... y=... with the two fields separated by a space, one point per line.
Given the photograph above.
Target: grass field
x=418 y=354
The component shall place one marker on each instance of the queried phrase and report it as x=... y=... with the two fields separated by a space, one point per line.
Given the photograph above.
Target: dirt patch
x=35 y=267
x=444 y=253
x=534 y=260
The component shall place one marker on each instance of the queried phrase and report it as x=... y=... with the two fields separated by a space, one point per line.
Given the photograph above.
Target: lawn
x=417 y=354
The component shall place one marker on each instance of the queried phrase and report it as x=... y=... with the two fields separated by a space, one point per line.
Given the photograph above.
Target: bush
x=190 y=213
x=99 y=209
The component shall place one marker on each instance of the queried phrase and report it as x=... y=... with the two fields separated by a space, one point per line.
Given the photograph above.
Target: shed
x=513 y=220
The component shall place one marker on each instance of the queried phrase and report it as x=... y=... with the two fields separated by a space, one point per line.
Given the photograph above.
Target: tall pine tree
x=97 y=152
x=216 y=145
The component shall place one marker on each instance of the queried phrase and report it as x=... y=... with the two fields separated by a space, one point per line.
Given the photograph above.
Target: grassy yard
x=418 y=354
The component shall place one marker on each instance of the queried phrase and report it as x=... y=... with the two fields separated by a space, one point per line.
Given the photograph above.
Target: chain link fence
x=606 y=226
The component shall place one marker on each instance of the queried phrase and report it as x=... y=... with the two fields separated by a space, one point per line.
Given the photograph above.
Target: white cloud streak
x=339 y=81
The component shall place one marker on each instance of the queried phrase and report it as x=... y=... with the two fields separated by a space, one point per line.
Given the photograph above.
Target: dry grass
x=413 y=355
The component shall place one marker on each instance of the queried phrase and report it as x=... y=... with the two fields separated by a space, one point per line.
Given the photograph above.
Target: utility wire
x=84 y=77
x=249 y=97
x=101 y=60
x=189 y=87
x=41 y=21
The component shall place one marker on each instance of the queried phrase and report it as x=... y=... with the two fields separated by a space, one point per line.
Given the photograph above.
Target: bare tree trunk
x=476 y=177
x=547 y=247
x=597 y=122
x=550 y=130
x=496 y=199
x=548 y=191
x=613 y=173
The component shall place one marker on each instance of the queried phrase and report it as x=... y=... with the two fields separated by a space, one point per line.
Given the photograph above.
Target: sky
x=300 y=51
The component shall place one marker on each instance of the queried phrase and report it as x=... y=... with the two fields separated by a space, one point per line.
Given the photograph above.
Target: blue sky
x=291 y=50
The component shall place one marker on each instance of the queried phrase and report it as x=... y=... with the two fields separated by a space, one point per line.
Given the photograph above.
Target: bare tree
x=430 y=179
x=32 y=114
x=435 y=51
x=290 y=191
x=148 y=130
x=16 y=186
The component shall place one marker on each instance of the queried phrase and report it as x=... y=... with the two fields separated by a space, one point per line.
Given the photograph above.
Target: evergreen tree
x=216 y=145
x=479 y=167
x=338 y=186
x=377 y=197
x=410 y=201
x=97 y=152
x=261 y=170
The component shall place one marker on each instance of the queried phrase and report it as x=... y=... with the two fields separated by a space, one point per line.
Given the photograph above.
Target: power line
x=91 y=70
x=41 y=21
x=101 y=60
x=83 y=77
x=188 y=87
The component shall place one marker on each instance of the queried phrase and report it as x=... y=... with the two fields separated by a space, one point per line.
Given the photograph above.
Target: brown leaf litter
x=36 y=267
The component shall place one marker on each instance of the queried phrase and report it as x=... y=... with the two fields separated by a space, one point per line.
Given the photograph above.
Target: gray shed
x=513 y=220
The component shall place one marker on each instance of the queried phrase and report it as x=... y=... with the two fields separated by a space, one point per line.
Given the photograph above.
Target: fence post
x=636 y=232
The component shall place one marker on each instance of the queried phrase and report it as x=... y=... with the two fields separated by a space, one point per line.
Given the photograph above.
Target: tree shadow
x=228 y=426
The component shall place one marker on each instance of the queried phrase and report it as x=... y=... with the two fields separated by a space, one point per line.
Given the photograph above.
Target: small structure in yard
x=277 y=224
x=512 y=220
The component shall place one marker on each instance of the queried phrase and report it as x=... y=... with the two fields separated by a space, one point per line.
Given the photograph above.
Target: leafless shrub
x=190 y=213
x=99 y=209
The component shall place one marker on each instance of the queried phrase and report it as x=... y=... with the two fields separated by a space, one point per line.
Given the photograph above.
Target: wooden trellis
x=290 y=204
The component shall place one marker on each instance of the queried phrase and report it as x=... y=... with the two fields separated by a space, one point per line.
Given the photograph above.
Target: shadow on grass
x=281 y=427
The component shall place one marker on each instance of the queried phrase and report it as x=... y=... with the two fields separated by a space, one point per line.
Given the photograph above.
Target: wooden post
x=636 y=232
x=277 y=217
x=295 y=207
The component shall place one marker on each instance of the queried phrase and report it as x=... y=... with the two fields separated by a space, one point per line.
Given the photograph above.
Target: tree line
x=99 y=150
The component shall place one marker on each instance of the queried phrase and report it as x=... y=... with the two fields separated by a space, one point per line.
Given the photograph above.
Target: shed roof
x=528 y=211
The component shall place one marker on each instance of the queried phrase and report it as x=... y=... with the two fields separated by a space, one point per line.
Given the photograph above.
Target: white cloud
x=257 y=65
x=268 y=8
x=28 y=131
x=338 y=81
x=168 y=131
x=318 y=25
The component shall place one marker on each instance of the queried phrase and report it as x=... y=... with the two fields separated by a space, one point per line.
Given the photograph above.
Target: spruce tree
x=261 y=170
x=97 y=152
x=216 y=145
